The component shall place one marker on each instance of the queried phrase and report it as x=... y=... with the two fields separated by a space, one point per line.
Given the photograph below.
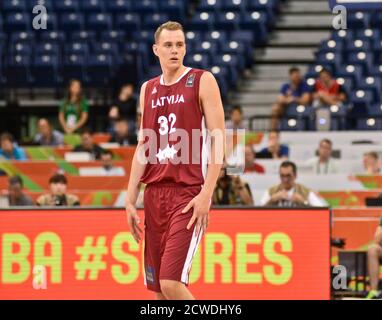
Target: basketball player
x=177 y=197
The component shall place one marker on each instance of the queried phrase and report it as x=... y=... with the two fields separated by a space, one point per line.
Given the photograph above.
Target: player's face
x=170 y=49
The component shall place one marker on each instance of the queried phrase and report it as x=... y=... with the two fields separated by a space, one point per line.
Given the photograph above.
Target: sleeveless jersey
x=174 y=131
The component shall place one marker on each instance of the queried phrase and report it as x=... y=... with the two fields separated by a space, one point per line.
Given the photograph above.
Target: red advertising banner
x=90 y=254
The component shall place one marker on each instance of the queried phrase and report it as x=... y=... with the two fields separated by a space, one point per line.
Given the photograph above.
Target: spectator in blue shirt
x=296 y=91
x=9 y=149
x=275 y=149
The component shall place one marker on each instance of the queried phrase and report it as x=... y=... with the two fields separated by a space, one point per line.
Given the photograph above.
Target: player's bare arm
x=136 y=172
x=212 y=105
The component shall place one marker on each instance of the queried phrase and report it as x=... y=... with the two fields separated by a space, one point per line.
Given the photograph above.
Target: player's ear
x=155 y=49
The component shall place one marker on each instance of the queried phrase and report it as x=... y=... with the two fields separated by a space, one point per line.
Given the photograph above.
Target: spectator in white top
x=289 y=193
x=371 y=163
x=324 y=163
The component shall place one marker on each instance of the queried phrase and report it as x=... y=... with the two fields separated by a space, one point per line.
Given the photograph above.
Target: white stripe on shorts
x=195 y=240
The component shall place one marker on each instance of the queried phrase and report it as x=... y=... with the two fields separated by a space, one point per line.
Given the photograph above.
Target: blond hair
x=169 y=25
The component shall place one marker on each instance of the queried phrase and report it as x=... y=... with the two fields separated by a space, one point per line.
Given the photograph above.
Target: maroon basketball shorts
x=169 y=246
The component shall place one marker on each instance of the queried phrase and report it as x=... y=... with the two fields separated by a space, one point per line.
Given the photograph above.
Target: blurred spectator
x=87 y=145
x=47 y=136
x=74 y=110
x=327 y=91
x=289 y=193
x=124 y=107
x=275 y=149
x=324 y=163
x=108 y=166
x=374 y=262
x=58 y=196
x=236 y=119
x=122 y=134
x=230 y=190
x=9 y=149
x=16 y=196
x=296 y=91
x=371 y=163
x=250 y=163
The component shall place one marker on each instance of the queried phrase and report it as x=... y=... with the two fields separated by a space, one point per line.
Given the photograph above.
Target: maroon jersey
x=174 y=131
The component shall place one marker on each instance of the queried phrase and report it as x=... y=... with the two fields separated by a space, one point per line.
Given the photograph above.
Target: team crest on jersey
x=190 y=80
x=154 y=90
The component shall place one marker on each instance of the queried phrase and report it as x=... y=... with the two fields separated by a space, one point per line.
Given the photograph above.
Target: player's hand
x=133 y=220
x=201 y=204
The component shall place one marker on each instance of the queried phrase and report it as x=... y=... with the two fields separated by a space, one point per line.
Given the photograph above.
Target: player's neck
x=171 y=76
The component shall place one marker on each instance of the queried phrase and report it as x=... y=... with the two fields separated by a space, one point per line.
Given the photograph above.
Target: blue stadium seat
x=376 y=21
x=375 y=110
x=371 y=84
x=350 y=71
x=45 y=71
x=221 y=74
x=18 y=21
x=146 y=6
x=360 y=99
x=113 y=35
x=129 y=22
x=218 y=36
x=256 y=22
x=57 y=36
x=106 y=48
x=144 y=36
x=74 y=68
x=357 y=45
x=368 y=34
x=98 y=69
x=331 y=45
x=47 y=49
x=22 y=36
x=72 y=22
x=176 y=9
x=83 y=36
x=298 y=111
x=77 y=48
x=66 y=6
x=12 y=6
x=203 y=21
x=152 y=21
x=228 y=21
x=234 y=5
x=346 y=83
x=194 y=37
x=18 y=71
x=358 y=20
x=21 y=48
x=230 y=62
x=369 y=124
x=363 y=59
x=293 y=124
x=210 y=6
x=201 y=61
x=341 y=35
x=99 y=22
x=93 y=6
x=206 y=47
x=243 y=36
x=119 y=6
